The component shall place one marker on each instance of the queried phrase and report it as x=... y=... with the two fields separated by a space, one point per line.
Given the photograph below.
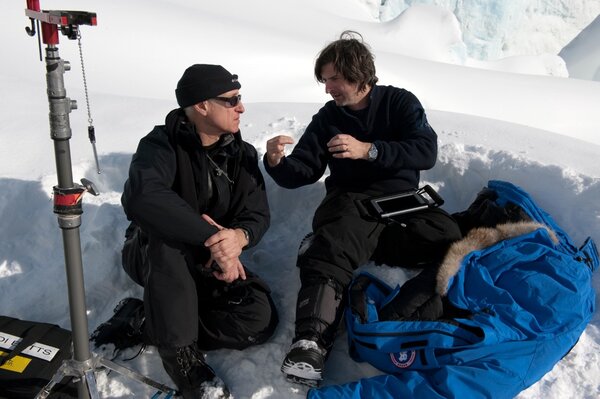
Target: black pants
x=185 y=305
x=344 y=240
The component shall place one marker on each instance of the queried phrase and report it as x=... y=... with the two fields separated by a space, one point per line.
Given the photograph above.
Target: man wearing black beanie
x=196 y=199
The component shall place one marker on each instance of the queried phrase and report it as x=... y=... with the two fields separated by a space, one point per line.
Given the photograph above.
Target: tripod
x=68 y=205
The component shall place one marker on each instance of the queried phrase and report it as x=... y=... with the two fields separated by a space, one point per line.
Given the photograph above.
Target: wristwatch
x=373 y=152
x=246 y=235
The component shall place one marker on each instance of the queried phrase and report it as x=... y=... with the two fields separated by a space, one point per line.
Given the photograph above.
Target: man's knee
x=256 y=314
x=336 y=253
x=421 y=239
x=435 y=226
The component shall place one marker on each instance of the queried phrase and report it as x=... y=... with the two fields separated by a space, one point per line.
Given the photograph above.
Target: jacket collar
x=177 y=123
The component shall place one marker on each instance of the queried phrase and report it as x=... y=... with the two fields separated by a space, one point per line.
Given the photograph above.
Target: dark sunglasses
x=230 y=101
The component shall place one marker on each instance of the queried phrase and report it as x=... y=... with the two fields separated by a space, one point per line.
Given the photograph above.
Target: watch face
x=373 y=152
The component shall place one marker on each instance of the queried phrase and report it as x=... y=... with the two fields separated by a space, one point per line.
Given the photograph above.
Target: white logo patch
x=403 y=359
x=41 y=351
x=8 y=341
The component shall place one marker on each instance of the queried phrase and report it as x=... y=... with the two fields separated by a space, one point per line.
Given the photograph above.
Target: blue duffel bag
x=526 y=299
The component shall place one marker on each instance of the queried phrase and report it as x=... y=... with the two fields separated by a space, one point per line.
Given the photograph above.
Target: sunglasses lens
x=230 y=101
x=233 y=101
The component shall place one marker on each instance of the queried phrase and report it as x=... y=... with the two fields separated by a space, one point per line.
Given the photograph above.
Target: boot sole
x=302 y=381
x=301 y=373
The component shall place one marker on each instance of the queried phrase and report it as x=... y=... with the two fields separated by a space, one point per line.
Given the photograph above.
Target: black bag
x=134 y=254
x=30 y=355
x=125 y=329
x=486 y=212
x=232 y=315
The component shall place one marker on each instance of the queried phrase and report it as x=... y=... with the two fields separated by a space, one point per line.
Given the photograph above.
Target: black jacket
x=395 y=122
x=171 y=183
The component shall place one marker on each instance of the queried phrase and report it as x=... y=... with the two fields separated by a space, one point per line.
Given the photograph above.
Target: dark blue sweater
x=395 y=122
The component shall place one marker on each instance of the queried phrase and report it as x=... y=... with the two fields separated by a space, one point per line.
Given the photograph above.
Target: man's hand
x=276 y=149
x=230 y=271
x=225 y=248
x=346 y=146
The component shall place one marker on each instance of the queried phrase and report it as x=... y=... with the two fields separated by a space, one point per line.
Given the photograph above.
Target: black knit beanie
x=202 y=81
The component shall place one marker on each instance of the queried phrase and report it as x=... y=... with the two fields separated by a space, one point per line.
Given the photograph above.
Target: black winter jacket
x=171 y=180
x=395 y=122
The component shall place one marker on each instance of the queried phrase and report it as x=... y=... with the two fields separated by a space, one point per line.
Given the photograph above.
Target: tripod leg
x=90 y=379
x=82 y=370
x=135 y=376
x=61 y=373
x=159 y=393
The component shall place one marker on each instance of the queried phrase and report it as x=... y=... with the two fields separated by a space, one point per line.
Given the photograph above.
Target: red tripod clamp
x=51 y=20
x=67 y=201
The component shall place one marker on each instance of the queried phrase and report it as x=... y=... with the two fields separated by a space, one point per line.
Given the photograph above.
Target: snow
x=494 y=29
x=539 y=132
x=582 y=55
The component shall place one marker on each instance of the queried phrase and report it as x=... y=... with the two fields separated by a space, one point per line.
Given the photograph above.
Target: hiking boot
x=194 y=378
x=304 y=363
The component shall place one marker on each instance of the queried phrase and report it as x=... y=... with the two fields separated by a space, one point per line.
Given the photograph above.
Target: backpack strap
x=359 y=294
x=588 y=253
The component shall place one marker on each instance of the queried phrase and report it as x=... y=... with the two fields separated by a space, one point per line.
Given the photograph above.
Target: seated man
x=196 y=192
x=375 y=140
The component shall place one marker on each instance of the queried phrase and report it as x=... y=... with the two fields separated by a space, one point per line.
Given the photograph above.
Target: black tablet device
x=406 y=202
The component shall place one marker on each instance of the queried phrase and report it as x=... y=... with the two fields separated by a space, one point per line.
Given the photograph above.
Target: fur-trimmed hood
x=479 y=238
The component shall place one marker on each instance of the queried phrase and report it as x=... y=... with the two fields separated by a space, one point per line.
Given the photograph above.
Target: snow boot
x=318 y=315
x=304 y=363
x=194 y=378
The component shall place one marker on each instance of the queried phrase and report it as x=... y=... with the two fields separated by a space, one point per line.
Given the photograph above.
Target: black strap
x=29 y=337
x=358 y=294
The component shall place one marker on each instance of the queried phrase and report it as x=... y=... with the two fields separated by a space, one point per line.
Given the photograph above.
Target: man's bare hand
x=225 y=248
x=229 y=271
x=276 y=149
x=346 y=146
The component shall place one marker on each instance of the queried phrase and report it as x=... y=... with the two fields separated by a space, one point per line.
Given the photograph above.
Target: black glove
x=417 y=300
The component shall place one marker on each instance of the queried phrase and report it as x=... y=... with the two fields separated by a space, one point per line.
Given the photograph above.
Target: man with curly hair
x=375 y=140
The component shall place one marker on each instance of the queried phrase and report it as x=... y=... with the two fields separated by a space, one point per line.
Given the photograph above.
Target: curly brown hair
x=351 y=57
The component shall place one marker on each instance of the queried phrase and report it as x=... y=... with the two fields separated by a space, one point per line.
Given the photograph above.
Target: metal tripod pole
x=68 y=207
x=68 y=220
